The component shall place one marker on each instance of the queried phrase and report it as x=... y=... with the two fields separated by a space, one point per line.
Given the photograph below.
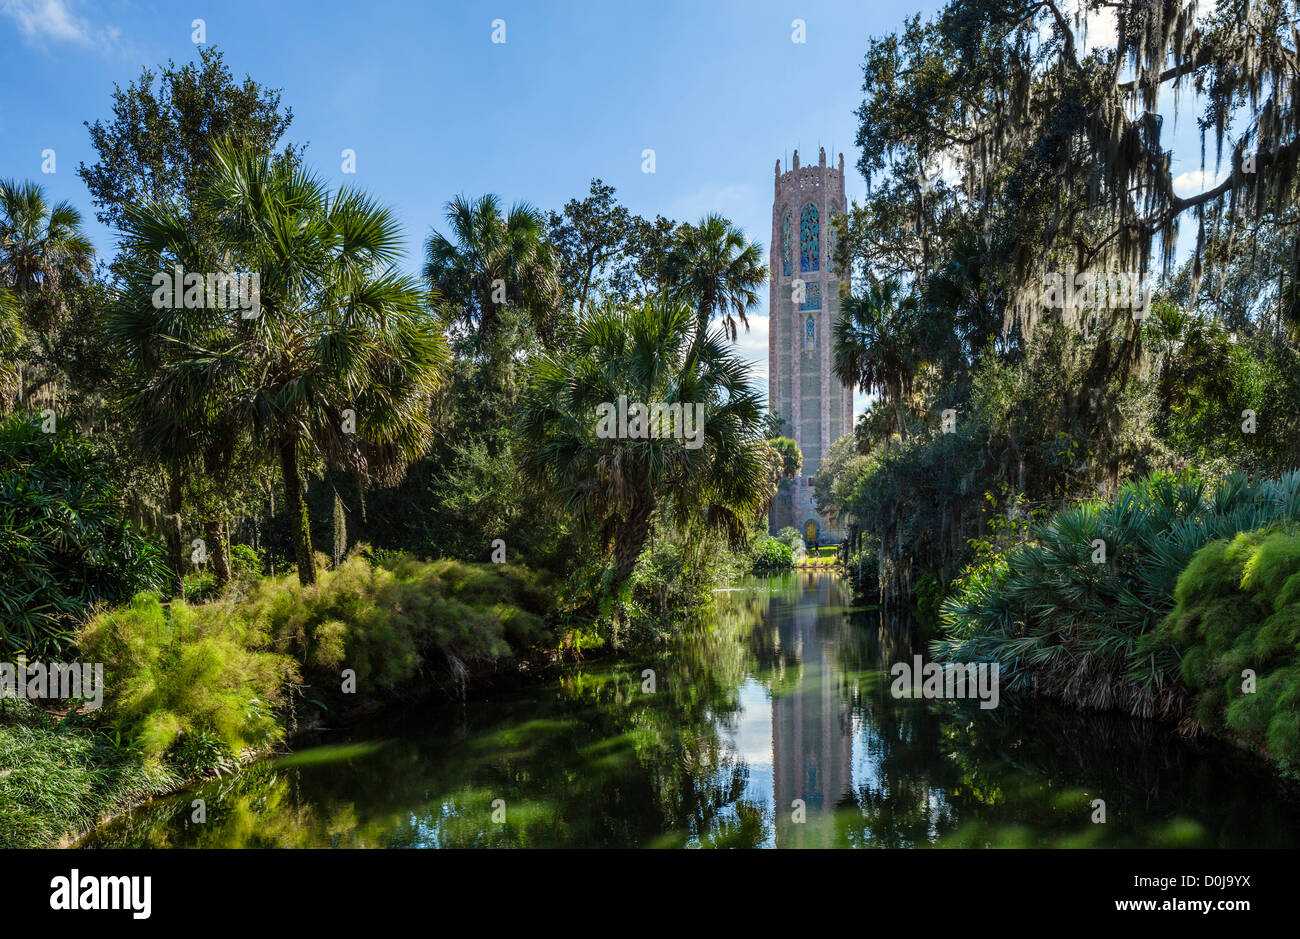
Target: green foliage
x=45 y=261
x=63 y=545
x=791 y=456
x=400 y=623
x=56 y=778
x=773 y=555
x=197 y=686
x=913 y=497
x=673 y=583
x=494 y=258
x=163 y=127
x=652 y=352
x=469 y=489
x=863 y=567
x=1062 y=619
x=189 y=683
x=928 y=593
x=606 y=252
x=1208 y=376
x=336 y=323
x=1238 y=609
x=717 y=270
x=245 y=562
x=670 y=586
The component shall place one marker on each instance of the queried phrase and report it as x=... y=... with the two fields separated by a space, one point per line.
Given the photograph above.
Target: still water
x=782 y=701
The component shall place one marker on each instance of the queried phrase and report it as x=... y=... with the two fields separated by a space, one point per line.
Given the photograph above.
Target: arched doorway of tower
x=810 y=532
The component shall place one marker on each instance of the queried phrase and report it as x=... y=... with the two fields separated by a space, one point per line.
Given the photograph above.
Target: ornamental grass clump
x=400 y=623
x=196 y=685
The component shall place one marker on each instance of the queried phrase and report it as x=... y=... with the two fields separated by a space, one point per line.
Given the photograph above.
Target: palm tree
x=176 y=391
x=42 y=249
x=874 y=348
x=653 y=352
x=40 y=244
x=11 y=333
x=494 y=259
x=339 y=361
x=712 y=267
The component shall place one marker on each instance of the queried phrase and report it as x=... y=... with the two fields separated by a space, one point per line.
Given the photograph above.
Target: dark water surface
x=785 y=697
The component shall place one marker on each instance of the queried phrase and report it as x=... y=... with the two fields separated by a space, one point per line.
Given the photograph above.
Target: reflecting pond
x=772 y=726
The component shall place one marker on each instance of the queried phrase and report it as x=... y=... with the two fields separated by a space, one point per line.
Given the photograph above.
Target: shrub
x=1238 y=609
x=200 y=684
x=1057 y=619
x=772 y=555
x=394 y=620
x=186 y=681
x=63 y=547
x=864 y=571
x=245 y=562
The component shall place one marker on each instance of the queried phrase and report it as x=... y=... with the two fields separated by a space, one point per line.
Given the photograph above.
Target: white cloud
x=1099 y=29
x=1190 y=183
x=751 y=345
x=41 y=21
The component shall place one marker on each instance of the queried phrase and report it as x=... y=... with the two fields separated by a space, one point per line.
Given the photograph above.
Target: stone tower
x=805 y=297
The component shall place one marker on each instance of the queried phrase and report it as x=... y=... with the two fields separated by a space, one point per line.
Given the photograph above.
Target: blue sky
x=433 y=107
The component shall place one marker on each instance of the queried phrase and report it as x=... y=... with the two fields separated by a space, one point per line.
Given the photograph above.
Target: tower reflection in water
x=812 y=734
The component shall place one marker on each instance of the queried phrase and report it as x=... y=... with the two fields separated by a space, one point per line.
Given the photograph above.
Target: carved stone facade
x=805 y=297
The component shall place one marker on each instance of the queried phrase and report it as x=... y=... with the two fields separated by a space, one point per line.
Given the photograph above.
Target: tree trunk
x=299 y=523
x=175 y=586
x=631 y=538
x=340 y=530
x=268 y=563
x=360 y=483
x=214 y=532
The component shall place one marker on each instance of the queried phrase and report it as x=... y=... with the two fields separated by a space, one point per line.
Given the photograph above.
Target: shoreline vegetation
x=385 y=483
x=1097 y=493
x=227 y=507
x=203 y=690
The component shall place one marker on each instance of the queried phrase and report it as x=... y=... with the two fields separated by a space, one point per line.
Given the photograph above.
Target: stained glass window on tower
x=831 y=216
x=809 y=256
x=787 y=245
x=810 y=333
x=812 y=298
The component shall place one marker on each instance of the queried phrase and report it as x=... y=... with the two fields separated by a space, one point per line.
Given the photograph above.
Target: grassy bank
x=196 y=690
x=59 y=776
x=200 y=689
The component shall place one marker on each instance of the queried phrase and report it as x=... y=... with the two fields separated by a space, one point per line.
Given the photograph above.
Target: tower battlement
x=810 y=177
x=804 y=302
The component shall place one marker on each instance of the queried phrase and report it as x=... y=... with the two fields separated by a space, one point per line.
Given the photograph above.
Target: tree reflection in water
x=779 y=693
